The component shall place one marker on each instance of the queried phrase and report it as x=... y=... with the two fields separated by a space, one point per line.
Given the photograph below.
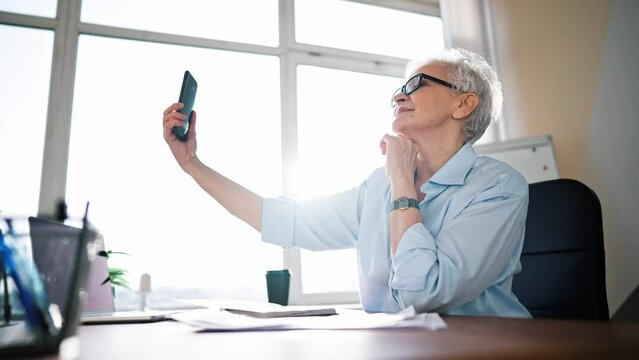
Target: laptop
x=48 y=320
x=99 y=307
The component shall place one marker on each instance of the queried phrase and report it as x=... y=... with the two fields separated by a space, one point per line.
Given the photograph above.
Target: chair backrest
x=563 y=273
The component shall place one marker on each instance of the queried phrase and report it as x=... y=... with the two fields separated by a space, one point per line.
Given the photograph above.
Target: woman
x=439 y=228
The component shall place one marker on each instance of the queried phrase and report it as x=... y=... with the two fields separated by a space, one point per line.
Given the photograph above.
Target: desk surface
x=465 y=338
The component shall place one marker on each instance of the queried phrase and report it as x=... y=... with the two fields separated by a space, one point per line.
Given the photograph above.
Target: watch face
x=402 y=203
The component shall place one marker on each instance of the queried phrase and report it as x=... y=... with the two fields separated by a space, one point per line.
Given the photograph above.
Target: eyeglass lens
x=413 y=84
x=410 y=87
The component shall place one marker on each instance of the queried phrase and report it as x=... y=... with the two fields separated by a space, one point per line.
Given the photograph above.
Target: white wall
x=550 y=53
x=611 y=159
x=570 y=69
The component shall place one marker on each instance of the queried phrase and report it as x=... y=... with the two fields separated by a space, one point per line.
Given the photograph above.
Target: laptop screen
x=54 y=248
x=50 y=296
x=63 y=267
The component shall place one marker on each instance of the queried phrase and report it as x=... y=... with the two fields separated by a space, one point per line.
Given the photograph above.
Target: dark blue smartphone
x=187 y=97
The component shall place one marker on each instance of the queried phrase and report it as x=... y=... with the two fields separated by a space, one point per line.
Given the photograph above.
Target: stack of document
x=245 y=316
x=258 y=309
x=284 y=311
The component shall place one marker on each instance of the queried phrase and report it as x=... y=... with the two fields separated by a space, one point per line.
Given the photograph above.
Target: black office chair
x=563 y=273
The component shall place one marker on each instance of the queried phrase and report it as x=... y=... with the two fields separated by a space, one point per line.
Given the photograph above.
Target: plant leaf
x=118 y=252
x=120 y=279
x=117 y=271
x=116 y=274
x=122 y=283
x=108 y=253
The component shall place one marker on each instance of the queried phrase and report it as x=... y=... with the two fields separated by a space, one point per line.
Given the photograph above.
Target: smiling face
x=429 y=111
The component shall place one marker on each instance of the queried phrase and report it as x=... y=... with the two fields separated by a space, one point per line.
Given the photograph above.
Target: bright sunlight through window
x=25 y=69
x=323 y=134
x=367 y=28
x=144 y=203
x=223 y=20
x=341 y=118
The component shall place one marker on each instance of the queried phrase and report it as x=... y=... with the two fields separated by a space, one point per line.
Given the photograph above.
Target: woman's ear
x=467 y=104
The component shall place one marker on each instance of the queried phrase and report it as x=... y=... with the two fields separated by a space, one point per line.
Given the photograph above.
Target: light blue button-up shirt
x=459 y=261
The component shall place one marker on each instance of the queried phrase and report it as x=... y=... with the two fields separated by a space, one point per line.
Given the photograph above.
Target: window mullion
x=288 y=89
x=173 y=39
x=363 y=65
x=292 y=55
x=353 y=60
x=37 y=22
x=426 y=7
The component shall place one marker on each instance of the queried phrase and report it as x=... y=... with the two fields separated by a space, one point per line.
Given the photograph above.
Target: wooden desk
x=465 y=338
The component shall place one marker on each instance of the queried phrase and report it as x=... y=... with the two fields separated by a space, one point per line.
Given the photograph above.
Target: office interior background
x=293 y=98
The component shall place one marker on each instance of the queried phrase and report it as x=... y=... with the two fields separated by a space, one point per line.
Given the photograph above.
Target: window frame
x=68 y=27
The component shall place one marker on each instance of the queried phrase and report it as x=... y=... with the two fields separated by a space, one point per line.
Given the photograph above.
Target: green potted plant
x=116 y=274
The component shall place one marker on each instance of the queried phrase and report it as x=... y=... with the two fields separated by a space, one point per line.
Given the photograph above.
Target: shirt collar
x=456 y=168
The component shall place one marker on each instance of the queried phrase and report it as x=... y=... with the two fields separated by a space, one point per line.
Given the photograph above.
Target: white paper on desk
x=216 y=320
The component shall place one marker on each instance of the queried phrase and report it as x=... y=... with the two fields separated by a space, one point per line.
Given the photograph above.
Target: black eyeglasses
x=414 y=83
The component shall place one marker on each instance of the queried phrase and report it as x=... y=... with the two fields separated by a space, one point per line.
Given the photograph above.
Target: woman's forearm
x=402 y=219
x=236 y=199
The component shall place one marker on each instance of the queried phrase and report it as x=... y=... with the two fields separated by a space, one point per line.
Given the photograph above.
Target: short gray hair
x=470 y=72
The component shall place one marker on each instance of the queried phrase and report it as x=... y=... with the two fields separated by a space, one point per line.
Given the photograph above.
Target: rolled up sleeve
x=468 y=255
x=278 y=219
x=318 y=224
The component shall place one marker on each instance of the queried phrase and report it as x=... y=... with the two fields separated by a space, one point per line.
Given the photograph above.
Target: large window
x=144 y=204
x=285 y=97
x=342 y=115
x=25 y=69
x=46 y=8
x=371 y=29
x=247 y=21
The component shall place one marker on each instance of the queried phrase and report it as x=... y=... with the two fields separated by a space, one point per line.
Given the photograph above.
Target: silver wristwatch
x=403 y=203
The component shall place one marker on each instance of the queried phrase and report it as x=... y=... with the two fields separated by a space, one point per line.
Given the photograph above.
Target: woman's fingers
x=172 y=118
x=389 y=141
x=400 y=155
x=383 y=143
x=174 y=122
x=171 y=121
x=174 y=107
x=173 y=115
x=192 y=122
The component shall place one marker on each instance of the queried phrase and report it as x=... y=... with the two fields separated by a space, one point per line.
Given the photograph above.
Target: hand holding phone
x=187 y=97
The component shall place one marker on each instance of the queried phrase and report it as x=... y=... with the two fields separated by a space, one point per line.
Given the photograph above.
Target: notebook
x=48 y=319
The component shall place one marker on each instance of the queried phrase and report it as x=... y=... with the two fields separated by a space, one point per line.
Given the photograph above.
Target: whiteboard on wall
x=533 y=157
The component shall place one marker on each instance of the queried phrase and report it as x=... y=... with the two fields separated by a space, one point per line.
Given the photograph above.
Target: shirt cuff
x=414 y=257
x=278 y=221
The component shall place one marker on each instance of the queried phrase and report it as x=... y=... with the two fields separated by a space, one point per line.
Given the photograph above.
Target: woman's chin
x=398 y=126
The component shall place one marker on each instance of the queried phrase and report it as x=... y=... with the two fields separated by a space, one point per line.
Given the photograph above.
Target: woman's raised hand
x=183 y=151
x=401 y=156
